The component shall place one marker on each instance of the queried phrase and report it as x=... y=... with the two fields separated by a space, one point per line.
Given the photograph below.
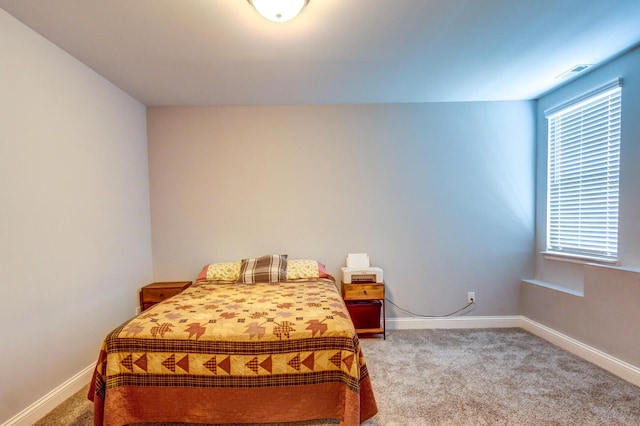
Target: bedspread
x=234 y=353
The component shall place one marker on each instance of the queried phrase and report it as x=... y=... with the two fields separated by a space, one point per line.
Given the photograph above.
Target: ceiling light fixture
x=279 y=10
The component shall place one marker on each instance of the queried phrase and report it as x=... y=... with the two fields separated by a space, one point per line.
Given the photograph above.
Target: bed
x=261 y=340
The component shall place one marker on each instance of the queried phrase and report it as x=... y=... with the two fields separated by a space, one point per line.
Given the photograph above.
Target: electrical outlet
x=471 y=297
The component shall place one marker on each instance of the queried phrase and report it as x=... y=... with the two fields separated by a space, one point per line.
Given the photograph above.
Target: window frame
x=606 y=248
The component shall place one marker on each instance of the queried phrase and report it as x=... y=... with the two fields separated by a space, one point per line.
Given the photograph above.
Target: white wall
x=439 y=195
x=74 y=214
x=594 y=304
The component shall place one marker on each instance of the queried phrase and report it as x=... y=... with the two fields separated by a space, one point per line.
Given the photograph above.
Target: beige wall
x=74 y=214
x=439 y=195
x=605 y=317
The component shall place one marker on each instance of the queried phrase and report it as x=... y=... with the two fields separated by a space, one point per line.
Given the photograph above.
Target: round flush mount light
x=279 y=10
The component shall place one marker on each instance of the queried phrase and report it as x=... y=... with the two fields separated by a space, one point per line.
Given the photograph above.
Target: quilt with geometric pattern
x=236 y=353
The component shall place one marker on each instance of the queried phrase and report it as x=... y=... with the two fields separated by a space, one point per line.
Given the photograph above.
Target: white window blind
x=583 y=176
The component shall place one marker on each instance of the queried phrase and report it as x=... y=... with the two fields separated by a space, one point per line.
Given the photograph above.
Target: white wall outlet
x=471 y=297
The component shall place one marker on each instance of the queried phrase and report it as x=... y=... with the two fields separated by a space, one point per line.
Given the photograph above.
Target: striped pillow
x=265 y=269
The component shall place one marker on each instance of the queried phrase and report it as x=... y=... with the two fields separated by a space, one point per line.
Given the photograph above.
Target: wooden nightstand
x=157 y=292
x=364 y=301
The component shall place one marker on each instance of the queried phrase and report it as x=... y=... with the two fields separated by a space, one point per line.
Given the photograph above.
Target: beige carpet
x=470 y=377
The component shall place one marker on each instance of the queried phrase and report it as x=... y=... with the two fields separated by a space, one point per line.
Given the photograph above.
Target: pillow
x=305 y=269
x=222 y=271
x=265 y=269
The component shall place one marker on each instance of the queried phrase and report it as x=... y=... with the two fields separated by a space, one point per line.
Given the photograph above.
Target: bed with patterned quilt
x=261 y=340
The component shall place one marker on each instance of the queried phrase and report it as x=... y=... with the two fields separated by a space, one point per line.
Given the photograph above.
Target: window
x=583 y=175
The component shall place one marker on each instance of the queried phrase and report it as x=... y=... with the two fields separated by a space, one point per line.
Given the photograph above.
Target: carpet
x=468 y=377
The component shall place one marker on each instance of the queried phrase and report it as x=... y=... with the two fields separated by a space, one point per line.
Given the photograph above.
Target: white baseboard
x=44 y=405
x=612 y=364
x=417 y=323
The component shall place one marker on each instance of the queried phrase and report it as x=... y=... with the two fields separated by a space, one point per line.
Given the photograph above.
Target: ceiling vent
x=573 y=71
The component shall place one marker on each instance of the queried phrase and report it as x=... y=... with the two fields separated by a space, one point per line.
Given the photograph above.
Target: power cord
x=432 y=316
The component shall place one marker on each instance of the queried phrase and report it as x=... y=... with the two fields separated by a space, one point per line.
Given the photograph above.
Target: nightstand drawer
x=362 y=291
x=154 y=295
x=159 y=291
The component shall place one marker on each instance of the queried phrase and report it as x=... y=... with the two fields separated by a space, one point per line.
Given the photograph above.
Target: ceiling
x=221 y=52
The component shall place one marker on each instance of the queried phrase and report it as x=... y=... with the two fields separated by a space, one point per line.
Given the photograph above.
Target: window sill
x=575 y=258
x=554 y=287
